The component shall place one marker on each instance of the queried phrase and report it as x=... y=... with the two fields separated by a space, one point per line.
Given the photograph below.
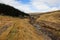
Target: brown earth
x=44 y=26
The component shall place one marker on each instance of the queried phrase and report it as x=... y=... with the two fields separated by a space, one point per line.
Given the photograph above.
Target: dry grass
x=20 y=29
x=51 y=22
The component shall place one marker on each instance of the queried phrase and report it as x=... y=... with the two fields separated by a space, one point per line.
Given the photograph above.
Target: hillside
x=44 y=26
x=49 y=22
x=18 y=29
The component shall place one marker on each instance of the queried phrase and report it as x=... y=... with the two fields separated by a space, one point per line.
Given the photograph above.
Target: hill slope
x=18 y=29
x=44 y=26
x=50 y=22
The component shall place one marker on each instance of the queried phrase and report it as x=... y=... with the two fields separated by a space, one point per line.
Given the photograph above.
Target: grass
x=18 y=29
x=21 y=29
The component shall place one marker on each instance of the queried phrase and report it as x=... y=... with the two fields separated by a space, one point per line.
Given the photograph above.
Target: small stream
x=43 y=30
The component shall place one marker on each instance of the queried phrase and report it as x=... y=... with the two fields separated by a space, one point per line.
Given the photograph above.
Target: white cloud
x=17 y=5
x=38 y=5
x=52 y=2
x=49 y=2
x=44 y=5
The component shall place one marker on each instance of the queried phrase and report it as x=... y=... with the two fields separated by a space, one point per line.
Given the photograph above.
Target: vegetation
x=42 y=27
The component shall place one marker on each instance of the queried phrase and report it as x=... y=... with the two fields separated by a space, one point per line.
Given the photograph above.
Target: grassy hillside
x=45 y=26
x=50 y=21
x=18 y=29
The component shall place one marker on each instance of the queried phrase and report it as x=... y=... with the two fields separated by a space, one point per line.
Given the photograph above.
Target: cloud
x=52 y=2
x=17 y=5
x=34 y=5
x=45 y=5
x=49 y=2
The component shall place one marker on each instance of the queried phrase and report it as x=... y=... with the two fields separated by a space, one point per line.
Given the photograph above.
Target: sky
x=31 y=6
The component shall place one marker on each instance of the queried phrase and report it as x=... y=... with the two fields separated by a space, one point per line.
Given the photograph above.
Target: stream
x=43 y=30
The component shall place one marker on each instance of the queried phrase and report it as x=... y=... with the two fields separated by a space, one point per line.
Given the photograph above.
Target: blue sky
x=24 y=1
x=30 y=6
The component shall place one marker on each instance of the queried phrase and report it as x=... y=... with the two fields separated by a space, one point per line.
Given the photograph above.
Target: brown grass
x=20 y=29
